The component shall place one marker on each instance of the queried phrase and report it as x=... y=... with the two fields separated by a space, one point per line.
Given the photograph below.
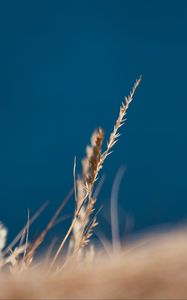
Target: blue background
x=64 y=69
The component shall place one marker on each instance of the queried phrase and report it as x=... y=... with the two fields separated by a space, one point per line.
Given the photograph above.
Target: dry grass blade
x=114 y=209
x=27 y=236
x=20 y=234
x=32 y=249
x=67 y=234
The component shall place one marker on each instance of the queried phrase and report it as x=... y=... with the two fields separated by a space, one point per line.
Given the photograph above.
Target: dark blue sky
x=64 y=69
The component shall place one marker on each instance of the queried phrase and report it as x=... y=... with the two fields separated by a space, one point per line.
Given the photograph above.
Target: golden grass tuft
x=150 y=267
x=20 y=253
x=153 y=267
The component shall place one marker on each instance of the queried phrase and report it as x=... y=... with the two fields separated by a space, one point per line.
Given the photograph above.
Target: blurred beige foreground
x=151 y=267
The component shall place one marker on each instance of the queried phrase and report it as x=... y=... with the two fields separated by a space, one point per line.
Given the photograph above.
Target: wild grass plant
x=151 y=267
x=20 y=253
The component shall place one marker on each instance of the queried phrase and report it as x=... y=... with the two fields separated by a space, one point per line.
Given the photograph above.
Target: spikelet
x=14 y=259
x=119 y=123
x=3 y=236
x=89 y=165
x=96 y=143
